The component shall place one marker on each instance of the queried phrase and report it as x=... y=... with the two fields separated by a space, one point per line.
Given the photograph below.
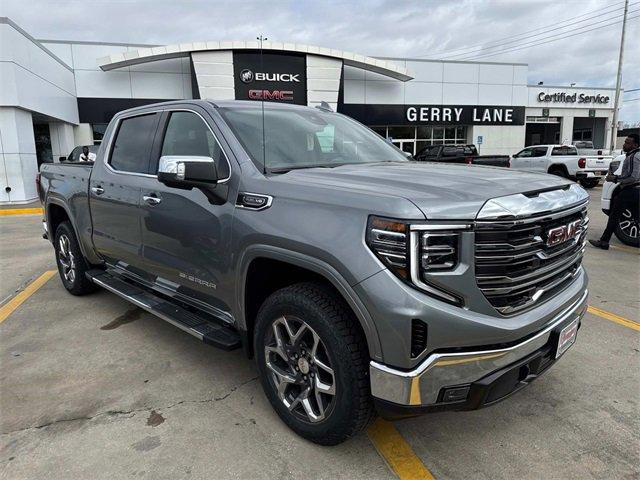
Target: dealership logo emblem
x=564 y=233
x=246 y=76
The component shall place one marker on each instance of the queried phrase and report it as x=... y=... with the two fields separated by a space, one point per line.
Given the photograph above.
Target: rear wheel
x=628 y=227
x=589 y=182
x=313 y=363
x=72 y=265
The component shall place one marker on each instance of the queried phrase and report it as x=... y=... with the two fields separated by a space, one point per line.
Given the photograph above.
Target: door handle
x=151 y=199
x=97 y=190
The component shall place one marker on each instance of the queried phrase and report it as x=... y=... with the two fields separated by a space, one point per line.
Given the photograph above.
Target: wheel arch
x=57 y=212
x=277 y=262
x=558 y=167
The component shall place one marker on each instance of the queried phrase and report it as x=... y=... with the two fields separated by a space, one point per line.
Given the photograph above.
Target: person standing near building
x=86 y=155
x=628 y=178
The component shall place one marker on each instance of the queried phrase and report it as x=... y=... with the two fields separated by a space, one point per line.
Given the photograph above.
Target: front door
x=115 y=192
x=522 y=159
x=187 y=233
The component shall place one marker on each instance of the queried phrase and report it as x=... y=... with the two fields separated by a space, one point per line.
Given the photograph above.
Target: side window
x=132 y=146
x=526 y=153
x=187 y=134
x=450 y=151
x=564 y=151
x=539 y=152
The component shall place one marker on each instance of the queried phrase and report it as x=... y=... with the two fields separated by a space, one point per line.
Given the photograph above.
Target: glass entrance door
x=408 y=146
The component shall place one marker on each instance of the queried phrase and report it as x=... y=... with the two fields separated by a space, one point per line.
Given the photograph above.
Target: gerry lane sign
x=435 y=114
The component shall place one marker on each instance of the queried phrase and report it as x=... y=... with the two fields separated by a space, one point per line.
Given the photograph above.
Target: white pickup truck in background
x=563 y=160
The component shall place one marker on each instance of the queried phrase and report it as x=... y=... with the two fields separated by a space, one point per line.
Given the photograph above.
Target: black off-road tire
x=71 y=259
x=328 y=315
x=628 y=226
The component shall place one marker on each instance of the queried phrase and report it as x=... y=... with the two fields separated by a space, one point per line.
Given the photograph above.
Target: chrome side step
x=195 y=324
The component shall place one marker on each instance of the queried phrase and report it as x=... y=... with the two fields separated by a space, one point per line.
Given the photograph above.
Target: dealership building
x=55 y=95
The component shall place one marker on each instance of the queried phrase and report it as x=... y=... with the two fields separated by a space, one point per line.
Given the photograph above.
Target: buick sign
x=272 y=76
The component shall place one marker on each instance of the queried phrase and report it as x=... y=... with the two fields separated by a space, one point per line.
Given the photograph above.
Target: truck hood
x=440 y=191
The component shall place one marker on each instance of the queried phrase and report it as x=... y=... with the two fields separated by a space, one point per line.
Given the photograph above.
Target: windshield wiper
x=300 y=167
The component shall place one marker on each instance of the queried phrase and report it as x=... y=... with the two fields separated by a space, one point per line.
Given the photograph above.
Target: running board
x=192 y=323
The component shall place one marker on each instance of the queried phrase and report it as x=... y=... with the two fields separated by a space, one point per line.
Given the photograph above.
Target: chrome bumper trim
x=421 y=386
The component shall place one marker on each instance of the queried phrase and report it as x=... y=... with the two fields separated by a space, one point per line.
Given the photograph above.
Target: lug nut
x=297 y=369
x=305 y=377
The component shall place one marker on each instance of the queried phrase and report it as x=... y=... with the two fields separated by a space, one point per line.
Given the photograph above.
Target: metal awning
x=152 y=54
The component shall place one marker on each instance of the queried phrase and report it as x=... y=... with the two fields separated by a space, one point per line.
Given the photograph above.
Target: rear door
x=187 y=233
x=115 y=191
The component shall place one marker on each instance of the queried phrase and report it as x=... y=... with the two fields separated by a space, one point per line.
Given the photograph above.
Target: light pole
x=614 y=126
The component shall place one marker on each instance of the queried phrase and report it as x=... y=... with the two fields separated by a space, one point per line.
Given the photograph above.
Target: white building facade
x=55 y=95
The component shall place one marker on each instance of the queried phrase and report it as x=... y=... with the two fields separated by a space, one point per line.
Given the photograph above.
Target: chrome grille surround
x=514 y=267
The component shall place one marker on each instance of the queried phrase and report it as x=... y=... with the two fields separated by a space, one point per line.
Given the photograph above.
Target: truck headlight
x=413 y=251
x=438 y=251
x=389 y=241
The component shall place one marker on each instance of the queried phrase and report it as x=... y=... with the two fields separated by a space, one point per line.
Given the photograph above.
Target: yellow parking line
x=397 y=452
x=624 y=248
x=614 y=318
x=21 y=211
x=9 y=307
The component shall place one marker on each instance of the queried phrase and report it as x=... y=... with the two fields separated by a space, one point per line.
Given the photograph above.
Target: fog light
x=455 y=394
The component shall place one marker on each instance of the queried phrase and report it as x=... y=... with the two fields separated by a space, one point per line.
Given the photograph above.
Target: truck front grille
x=517 y=264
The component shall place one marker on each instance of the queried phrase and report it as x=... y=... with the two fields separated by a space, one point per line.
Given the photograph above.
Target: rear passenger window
x=187 y=134
x=539 y=152
x=564 y=151
x=132 y=146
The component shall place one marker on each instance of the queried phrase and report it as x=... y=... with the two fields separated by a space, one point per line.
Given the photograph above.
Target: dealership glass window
x=401 y=133
x=582 y=134
x=414 y=139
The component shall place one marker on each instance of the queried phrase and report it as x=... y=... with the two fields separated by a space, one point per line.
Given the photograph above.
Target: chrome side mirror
x=182 y=171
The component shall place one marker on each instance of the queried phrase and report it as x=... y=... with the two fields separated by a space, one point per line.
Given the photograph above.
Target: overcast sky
x=404 y=28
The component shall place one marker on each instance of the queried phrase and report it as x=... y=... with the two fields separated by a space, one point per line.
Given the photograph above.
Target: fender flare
x=317 y=266
x=62 y=204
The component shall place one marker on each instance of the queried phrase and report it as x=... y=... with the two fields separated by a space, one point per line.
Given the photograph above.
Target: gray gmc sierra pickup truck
x=358 y=279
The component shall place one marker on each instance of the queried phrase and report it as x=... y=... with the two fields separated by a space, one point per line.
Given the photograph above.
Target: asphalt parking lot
x=91 y=387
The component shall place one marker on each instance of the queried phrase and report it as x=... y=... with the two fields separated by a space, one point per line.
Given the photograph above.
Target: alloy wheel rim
x=300 y=369
x=628 y=224
x=66 y=258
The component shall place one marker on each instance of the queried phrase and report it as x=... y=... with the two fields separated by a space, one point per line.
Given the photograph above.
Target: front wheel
x=313 y=363
x=589 y=182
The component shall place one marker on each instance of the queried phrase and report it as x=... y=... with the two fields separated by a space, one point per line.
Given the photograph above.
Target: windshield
x=306 y=138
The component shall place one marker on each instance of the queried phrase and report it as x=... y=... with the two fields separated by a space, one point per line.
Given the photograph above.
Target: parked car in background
x=74 y=156
x=460 y=154
x=628 y=228
x=564 y=161
x=355 y=277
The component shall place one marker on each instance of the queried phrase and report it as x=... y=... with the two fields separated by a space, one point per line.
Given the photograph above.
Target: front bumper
x=472 y=372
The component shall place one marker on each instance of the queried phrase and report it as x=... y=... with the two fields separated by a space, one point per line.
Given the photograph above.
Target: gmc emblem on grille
x=561 y=234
